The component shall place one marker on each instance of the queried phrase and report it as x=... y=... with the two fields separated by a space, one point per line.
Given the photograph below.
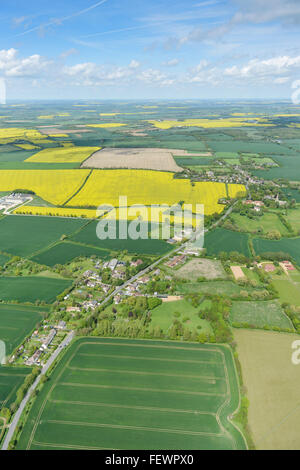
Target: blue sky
x=136 y=49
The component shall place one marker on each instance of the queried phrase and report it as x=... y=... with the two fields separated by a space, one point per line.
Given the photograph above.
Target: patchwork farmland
x=124 y=394
x=167 y=383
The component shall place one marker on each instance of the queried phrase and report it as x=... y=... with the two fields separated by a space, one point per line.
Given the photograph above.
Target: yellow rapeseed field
x=12 y=134
x=58 y=135
x=56 y=211
x=150 y=214
x=106 y=125
x=210 y=123
x=63 y=154
x=27 y=146
x=236 y=190
x=147 y=187
x=50 y=116
x=54 y=186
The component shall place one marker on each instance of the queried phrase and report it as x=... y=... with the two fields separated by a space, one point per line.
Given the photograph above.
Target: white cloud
x=281 y=80
x=134 y=64
x=12 y=66
x=152 y=76
x=265 y=69
x=91 y=74
x=171 y=63
x=68 y=53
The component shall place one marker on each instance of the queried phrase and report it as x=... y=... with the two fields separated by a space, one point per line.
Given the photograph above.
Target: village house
x=136 y=263
x=46 y=343
x=73 y=309
x=61 y=325
x=143 y=280
x=90 y=304
x=113 y=264
x=288 y=266
x=175 y=261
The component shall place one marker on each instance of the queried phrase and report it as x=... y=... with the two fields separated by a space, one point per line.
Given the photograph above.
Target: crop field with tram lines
x=11 y=378
x=16 y=322
x=133 y=394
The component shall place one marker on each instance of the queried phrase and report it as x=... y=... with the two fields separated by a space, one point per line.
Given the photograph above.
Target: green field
x=289 y=168
x=224 y=240
x=31 y=288
x=11 y=378
x=193 y=161
x=264 y=224
x=134 y=394
x=272 y=382
x=293 y=217
x=289 y=246
x=250 y=147
x=15 y=156
x=228 y=288
x=163 y=316
x=260 y=314
x=88 y=236
x=203 y=267
x=25 y=235
x=292 y=193
x=288 y=291
x=65 y=252
x=16 y=322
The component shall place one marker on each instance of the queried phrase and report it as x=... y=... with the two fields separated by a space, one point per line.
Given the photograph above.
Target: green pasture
x=164 y=315
x=260 y=314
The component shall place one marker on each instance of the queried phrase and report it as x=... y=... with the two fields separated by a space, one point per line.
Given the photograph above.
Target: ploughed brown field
x=135 y=158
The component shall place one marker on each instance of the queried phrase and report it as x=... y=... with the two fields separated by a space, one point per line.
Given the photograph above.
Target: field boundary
x=78 y=190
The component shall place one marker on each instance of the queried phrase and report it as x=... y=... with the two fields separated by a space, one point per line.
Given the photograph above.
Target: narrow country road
x=14 y=423
x=162 y=258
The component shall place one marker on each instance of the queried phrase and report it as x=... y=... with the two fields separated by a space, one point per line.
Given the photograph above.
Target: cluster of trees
x=218 y=315
x=130 y=318
x=17 y=266
x=293 y=313
x=234 y=256
x=21 y=392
